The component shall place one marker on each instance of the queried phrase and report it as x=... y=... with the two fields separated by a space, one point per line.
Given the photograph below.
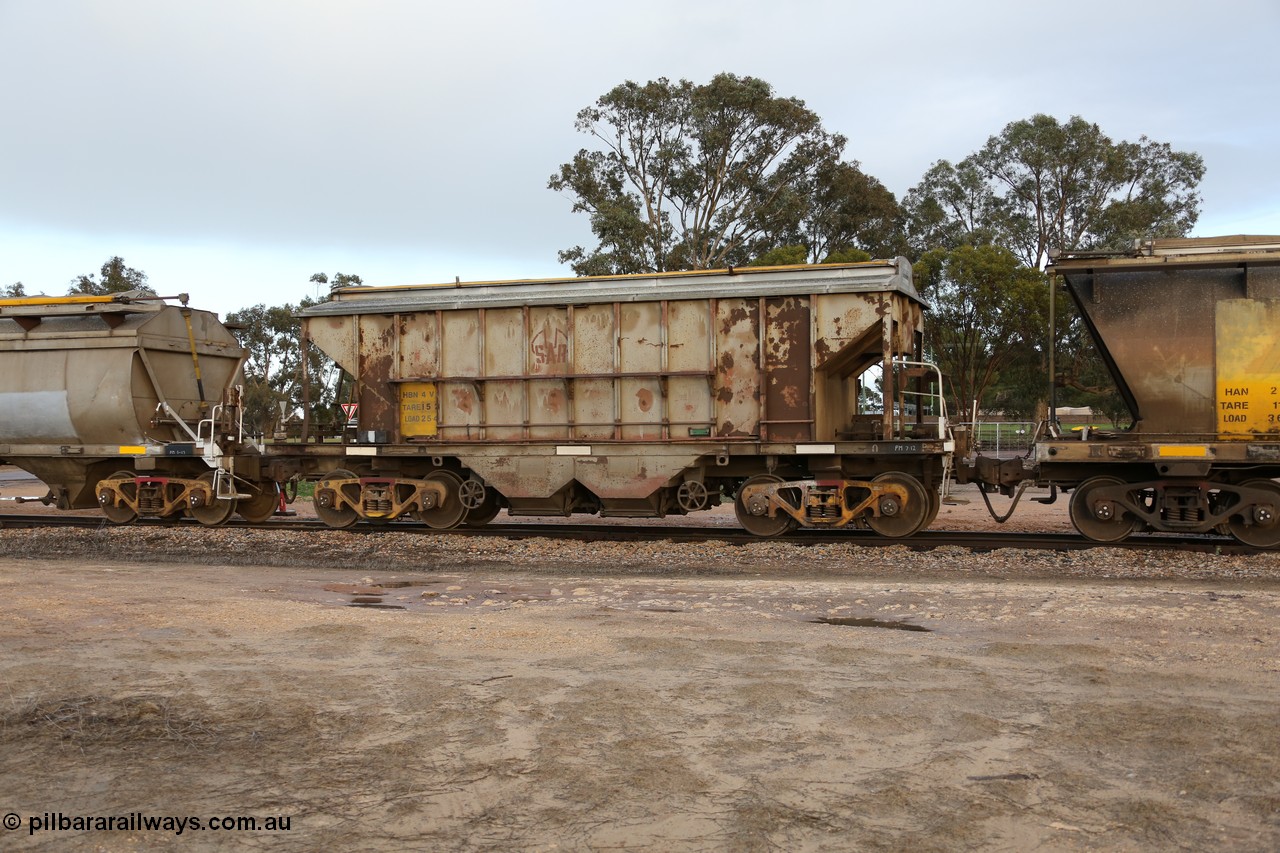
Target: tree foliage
x=13 y=291
x=1042 y=184
x=989 y=311
x=701 y=176
x=116 y=278
x=840 y=208
x=339 y=280
x=273 y=367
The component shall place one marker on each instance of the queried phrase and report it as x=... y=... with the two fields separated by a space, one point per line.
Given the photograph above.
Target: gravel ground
x=407 y=551
x=402 y=691
x=392 y=551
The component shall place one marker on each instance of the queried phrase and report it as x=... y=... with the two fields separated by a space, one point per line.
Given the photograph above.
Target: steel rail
x=975 y=541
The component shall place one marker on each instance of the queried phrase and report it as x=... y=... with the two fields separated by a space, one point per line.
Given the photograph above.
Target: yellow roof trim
x=57 y=300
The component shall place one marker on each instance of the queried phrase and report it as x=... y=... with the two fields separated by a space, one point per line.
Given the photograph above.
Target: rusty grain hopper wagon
x=123 y=402
x=638 y=396
x=1190 y=331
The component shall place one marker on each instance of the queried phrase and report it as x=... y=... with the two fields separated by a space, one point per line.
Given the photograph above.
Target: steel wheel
x=121 y=514
x=1263 y=529
x=898 y=519
x=214 y=512
x=449 y=513
x=935 y=506
x=753 y=514
x=331 y=515
x=1100 y=520
x=261 y=506
x=485 y=513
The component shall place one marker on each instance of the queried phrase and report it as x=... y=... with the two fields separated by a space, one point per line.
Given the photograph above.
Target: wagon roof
x=1179 y=252
x=869 y=277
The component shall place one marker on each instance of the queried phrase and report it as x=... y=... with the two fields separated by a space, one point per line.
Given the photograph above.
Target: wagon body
x=621 y=386
x=1190 y=331
x=82 y=380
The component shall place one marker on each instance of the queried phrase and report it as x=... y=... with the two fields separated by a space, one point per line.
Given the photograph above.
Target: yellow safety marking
x=1248 y=368
x=1184 y=450
x=132 y=450
x=418 y=410
x=56 y=300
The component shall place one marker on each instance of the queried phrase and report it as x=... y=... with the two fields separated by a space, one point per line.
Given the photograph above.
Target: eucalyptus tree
x=687 y=176
x=1041 y=184
x=988 y=310
x=116 y=278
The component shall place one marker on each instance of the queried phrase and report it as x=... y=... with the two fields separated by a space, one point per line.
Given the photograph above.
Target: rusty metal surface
x=689 y=351
x=568 y=385
x=788 y=369
x=775 y=368
x=737 y=368
x=1184 y=333
x=377 y=340
x=640 y=346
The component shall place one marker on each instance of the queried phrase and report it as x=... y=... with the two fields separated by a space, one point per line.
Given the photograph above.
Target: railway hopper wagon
x=1190 y=331
x=126 y=403
x=637 y=396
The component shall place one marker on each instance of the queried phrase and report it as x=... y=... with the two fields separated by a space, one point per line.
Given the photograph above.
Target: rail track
x=978 y=541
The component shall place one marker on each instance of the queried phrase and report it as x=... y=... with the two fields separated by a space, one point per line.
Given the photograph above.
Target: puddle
x=372 y=594
x=856 y=622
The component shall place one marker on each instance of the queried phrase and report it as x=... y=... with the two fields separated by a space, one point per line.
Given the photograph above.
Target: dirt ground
x=456 y=707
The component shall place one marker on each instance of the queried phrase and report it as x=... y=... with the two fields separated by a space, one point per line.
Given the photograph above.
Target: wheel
x=214 y=512
x=487 y=511
x=692 y=496
x=333 y=516
x=1100 y=520
x=935 y=506
x=471 y=493
x=753 y=513
x=261 y=506
x=120 y=514
x=1263 y=529
x=898 y=519
x=451 y=511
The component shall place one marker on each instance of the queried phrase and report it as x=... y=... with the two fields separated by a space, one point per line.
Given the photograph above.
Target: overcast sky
x=232 y=148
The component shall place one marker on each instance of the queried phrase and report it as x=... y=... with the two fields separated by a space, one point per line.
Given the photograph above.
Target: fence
x=1002 y=438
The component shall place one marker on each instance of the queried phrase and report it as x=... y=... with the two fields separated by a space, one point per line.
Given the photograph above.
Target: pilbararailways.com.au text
x=140 y=822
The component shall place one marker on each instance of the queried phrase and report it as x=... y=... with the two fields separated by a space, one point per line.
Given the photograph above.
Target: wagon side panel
x=595 y=341
x=738 y=374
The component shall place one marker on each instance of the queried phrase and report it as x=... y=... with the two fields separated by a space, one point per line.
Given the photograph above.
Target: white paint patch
x=815 y=448
x=36 y=417
x=573 y=450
